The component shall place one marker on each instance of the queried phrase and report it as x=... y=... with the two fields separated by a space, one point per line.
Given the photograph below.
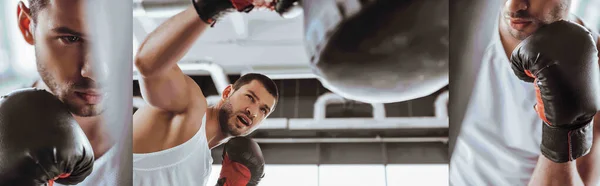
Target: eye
x=70 y=39
x=264 y=111
x=251 y=98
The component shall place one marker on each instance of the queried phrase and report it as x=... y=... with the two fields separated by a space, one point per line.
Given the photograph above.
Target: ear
x=227 y=92
x=24 y=20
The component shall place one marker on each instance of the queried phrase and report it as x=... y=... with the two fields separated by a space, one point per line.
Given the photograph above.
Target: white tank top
x=499 y=142
x=188 y=164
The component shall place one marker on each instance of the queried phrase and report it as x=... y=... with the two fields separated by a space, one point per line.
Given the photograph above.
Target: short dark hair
x=35 y=6
x=267 y=82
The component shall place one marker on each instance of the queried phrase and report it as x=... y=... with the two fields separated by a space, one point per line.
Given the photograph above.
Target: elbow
x=140 y=65
x=143 y=67
x=143 y=62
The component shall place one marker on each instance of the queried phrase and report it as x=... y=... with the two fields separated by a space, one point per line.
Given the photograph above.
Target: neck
x=96 y=133
x=214 y=134
x=92 y=127
x=509 y=43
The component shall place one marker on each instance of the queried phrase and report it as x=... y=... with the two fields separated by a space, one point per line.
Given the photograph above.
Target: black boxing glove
x=243 y=163
x=288 y=8
x=561 y=60
x=211 y=10
x=40 y=141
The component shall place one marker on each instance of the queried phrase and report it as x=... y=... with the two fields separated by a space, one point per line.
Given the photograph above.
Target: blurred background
x=313 y=137
x=17 y=58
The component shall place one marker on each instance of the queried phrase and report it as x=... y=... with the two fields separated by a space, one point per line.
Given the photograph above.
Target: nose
x=93 y=70
x=516 y=5
x=251 y=111
x=88 y=68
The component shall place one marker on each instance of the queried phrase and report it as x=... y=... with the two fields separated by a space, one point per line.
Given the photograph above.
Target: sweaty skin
x=176 y=104
x=64 y=64
x=532 y=14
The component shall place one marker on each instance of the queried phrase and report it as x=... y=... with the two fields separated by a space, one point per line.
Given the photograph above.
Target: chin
x=80 y=108
x=87 y=110
x=236 y=132
x=232 y=130
x=520 y=35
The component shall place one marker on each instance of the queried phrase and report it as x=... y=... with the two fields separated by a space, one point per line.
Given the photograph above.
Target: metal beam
x=367 y=123
x=354 y=140
x=350 y=153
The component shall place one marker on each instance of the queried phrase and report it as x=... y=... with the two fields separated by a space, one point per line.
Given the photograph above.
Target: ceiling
x=262 y=41
x=238 y=42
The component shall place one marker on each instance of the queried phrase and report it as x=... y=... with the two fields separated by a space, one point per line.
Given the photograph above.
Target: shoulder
x=578 y=20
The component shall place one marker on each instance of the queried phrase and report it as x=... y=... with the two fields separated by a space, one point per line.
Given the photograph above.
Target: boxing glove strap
x=566 y=144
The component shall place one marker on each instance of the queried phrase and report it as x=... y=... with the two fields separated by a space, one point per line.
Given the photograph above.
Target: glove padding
x=40 y=141
x=243 y=163
x=561 y=60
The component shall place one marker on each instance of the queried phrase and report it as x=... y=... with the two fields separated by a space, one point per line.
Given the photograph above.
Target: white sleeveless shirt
x=188 y=164
x=499 y=142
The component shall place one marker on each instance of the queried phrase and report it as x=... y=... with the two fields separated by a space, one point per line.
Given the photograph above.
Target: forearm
x=589 y=165
x=548 y=173
x=168 y=43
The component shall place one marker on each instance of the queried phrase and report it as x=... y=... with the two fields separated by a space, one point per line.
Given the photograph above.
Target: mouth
x=519 y=24
x=244 y=120
x=91 y=97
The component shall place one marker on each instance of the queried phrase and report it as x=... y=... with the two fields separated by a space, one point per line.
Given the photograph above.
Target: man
x=58 y=31
x=173 y=135
x=499 y=143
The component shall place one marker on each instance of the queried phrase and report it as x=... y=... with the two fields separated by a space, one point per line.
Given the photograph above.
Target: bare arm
x=589 y=165
x=548 y=173
x=163 y=84
x=583 y=171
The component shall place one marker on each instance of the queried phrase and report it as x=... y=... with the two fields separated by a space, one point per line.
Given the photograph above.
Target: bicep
x=170 y=91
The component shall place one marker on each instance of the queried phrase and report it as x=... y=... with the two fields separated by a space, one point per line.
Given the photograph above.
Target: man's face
x=63 y=58
x=245 y=109
x=523 y=17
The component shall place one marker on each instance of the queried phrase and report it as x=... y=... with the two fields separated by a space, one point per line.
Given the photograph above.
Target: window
x=349 y=175
x=418 y=174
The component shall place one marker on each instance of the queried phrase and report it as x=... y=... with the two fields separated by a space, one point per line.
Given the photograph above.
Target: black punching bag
x=377 y=51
